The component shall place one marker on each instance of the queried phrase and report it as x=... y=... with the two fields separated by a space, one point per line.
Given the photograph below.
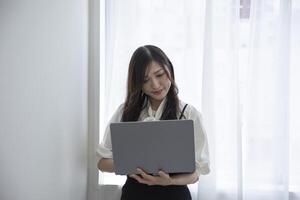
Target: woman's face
x=156 y=83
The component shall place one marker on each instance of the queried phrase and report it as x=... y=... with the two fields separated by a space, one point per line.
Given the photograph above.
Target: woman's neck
x=155 y=104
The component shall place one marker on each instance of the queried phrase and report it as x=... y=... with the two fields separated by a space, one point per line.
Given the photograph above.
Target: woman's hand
x=162 y=179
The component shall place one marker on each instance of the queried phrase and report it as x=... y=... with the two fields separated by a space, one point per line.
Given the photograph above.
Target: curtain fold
x=266 y=102
x=220 y=96
x=294 y=103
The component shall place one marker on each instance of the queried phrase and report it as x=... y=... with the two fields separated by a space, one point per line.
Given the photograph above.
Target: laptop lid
x=166 y=145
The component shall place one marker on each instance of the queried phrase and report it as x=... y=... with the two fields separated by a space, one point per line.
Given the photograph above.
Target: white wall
x=43 y=99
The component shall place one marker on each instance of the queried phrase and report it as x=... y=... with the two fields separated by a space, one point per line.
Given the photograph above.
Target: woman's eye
x=159 y=75
x=146 y=80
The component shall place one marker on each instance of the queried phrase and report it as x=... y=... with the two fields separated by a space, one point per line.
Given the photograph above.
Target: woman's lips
x=157 y=92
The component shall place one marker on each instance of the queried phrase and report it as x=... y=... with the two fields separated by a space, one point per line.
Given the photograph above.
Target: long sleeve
x=201 y=143
x=104 y=149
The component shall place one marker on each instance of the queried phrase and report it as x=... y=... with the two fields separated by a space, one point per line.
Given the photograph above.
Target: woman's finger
x=139 y=179
x=145 y=175
x=163 y=175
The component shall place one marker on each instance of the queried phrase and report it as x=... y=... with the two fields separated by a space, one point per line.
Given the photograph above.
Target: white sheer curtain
x=221 y=105
x=294 y=105
x=243 y=75
x=251 y=109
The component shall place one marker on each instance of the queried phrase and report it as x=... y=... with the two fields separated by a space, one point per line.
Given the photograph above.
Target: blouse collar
x=155 y=115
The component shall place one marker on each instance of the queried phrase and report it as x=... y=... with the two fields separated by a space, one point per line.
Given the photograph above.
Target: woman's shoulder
x=121 y=107
x=189 y=106
x=117 y=115
x=190 y=110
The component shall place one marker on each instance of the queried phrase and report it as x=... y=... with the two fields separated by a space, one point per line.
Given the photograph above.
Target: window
x=129 y=24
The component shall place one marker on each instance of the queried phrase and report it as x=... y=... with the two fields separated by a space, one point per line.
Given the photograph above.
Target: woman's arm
x=104 y=150
x=106 y=165
x=164 y=179
x=184 y=179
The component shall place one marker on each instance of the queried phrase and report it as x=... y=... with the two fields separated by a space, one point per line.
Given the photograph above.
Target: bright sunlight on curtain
x=237 y=61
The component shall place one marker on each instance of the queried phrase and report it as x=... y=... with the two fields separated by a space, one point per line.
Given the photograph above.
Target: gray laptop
x=166 y=145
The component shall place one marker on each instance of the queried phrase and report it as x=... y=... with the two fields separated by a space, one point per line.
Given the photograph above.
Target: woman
x=152 y=95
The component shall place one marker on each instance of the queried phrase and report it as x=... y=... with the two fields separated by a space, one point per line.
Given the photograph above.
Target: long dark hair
x=136 y=100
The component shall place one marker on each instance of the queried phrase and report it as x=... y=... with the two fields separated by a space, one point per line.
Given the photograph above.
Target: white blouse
x=104 y=150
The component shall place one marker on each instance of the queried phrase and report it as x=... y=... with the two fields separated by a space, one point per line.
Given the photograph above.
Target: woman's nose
x=155 y=83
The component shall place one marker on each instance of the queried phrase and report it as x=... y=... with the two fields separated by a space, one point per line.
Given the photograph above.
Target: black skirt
x=133 y=190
